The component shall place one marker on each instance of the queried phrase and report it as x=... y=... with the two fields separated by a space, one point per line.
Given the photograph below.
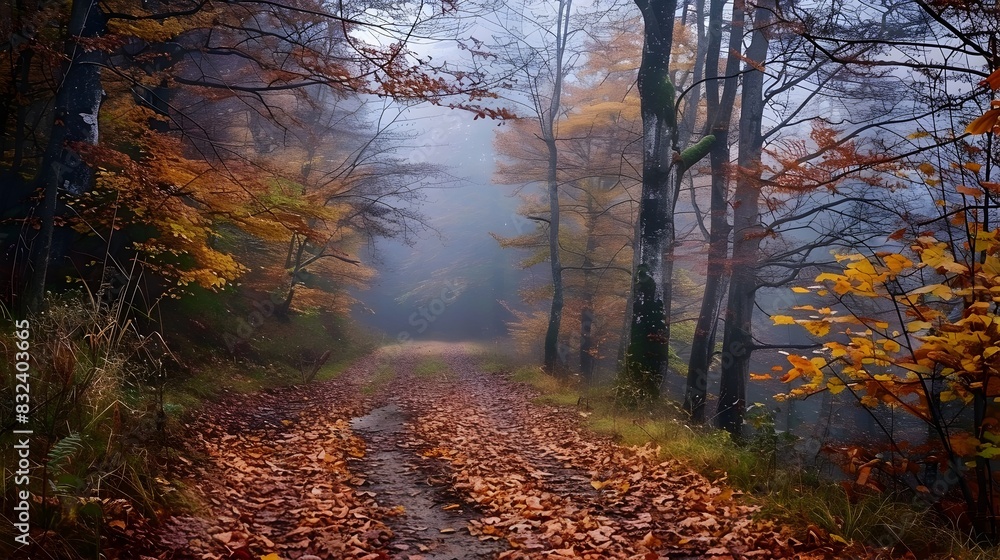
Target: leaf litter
x=441 y=468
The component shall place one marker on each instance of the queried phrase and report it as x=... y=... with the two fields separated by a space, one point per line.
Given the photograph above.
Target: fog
x=448 y=282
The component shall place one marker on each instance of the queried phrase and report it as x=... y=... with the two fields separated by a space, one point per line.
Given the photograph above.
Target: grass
x=797 y=497
x=431 y=367
x=493 y=361
x=553 y=391
x=384 y=375
x=184 y=396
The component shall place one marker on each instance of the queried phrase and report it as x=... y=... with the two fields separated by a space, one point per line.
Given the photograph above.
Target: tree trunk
x=75 y=120
x=587 y=312
x=649 y=331
x=296 y=263
x=720 y=115
x=554 y=363
x=586 y=343
x=737 y=342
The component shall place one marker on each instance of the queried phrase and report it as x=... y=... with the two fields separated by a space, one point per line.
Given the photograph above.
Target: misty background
x=451 y=280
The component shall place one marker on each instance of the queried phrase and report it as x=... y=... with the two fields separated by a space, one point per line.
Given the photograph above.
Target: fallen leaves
x=531 y=478
x=279 y=488
x=595 y=500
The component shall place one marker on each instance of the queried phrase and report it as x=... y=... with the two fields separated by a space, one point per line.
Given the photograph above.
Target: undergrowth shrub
x=95 y=415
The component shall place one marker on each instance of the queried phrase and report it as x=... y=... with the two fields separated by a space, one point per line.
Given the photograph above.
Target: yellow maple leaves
x=892 y=367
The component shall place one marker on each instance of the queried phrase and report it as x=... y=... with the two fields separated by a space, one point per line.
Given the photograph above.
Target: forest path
x=417 y=453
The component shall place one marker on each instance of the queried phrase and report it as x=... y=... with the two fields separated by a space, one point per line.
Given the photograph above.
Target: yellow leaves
x=914 y=326
x=861 y=267
x=835 y=385
x=817 y=328
x=862 y=276
x=938 y=256
x=984 y=240
x=842 y=287
x=783 y=320
x=926 y=168
x=937 y=290
x=891 y=345
x=896 y=263
x=813 y=364
x=800 y=290
x=805 y=367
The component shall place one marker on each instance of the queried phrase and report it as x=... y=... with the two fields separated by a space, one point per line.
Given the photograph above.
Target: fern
x=62 y=482
x=63 y=451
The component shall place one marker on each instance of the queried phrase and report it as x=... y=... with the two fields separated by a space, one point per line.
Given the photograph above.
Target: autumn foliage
x=918 y=331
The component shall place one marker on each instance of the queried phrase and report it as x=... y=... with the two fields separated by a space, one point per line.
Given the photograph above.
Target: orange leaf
x=985 y=123
x=992 y=81
x=970 y=191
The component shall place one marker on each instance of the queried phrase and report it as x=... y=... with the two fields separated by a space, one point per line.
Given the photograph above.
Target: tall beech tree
x=649 y=332
x=662 y=166
x=720 y=111
x=74 y=121
x=737 y=338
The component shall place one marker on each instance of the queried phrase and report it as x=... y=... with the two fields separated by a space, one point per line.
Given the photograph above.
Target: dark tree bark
x=553 y=362
x=737 y=340
x=75 y=121
x=587 y=312
x=720 y=115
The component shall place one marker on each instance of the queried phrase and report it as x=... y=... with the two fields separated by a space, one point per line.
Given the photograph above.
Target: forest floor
x=417 y=453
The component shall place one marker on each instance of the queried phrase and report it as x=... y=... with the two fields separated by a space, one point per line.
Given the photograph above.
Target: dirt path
x=415 y=453
x=430 y=524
